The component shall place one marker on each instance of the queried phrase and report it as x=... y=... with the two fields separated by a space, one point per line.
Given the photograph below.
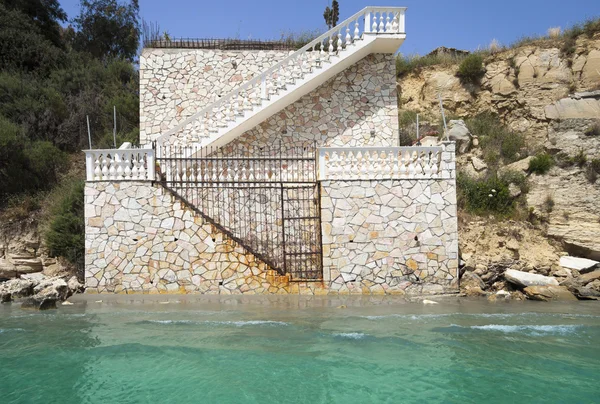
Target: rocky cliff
x=553 y=99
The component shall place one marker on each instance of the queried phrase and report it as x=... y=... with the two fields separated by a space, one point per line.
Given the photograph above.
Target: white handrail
x=120 y=165
x=366 y=163
x=261 y=87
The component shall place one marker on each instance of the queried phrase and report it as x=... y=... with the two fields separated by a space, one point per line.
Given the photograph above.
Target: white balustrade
x=366 y=163
x=120 y=165
x=250 y=96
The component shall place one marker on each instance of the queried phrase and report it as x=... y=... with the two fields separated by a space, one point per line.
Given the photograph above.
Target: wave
x=482 y=315
x=240 y=323
x=536 y=329
x=3 y=330
x=350 y=335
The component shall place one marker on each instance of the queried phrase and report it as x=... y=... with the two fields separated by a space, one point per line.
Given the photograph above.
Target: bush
x=471 y=69
x=593 y=130
x=484 y=196
x=497 y=141
x=593 y=170
x=65 y=235
x=540 y=164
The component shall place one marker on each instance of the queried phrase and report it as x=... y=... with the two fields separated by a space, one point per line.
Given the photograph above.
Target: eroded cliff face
x=553 y=99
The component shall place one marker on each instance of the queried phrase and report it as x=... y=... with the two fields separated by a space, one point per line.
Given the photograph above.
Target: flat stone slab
x=577 y=263
x=526 y=279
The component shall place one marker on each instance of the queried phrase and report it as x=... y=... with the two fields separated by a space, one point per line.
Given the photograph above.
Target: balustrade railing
x=344 y=163
x=323 y=50
x=120 y=165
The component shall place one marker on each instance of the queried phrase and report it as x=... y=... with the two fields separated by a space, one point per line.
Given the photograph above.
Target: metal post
x=89 y=133
x=115 y=126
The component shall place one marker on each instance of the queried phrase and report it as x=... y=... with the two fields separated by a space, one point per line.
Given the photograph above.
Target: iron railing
x=264 y=198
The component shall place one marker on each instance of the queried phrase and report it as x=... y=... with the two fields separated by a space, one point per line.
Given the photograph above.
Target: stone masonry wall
x=175 y=83
x=139 y=239
x=390 y=236
x=357 y=107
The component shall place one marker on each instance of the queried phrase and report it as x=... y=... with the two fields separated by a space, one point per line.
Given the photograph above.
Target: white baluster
x=339 y=41
x=348 y=36
x=381 y=27
x=411 y=166
x=403 y=171
x=135 y=171
x=419 y=165
x=112 y=170
x=374 y=26
x=142 y=174
x=395 y=23
x=97 y=169
x=356 y=31
x=394 y=161
x=330 y=46
x=127 y=164
x=434 y=165
x=388 y=23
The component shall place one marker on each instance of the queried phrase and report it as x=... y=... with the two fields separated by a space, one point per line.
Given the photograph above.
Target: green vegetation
x=51 y=78
x=496 y=140
x=471 y=69
x=484 y=196
x=66 y=234
x=540 y=163
x=593 y=130
x=414 y=63
x=592 y=170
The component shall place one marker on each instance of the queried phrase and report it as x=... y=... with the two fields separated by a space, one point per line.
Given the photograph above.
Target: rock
x=5 y=297
x=547 y=293
x=37 y=303
x=519 y=166
x=580 y=264
x=35 y=277
x=425 y=301
x=525 y=279
x=589 y=277
x=67 y=303
x=501 y=295
x=478 y=164
x=17 y=288
x=514 y=190
x=458 y=132
x=74 y=285
x=7 y=269
x=512 y=245
x=569 y=108
x=55 y=288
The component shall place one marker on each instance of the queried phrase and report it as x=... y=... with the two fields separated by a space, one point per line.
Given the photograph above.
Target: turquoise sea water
x=282 y=350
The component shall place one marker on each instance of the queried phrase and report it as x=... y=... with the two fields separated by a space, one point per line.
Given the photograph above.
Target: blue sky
x=463 y=24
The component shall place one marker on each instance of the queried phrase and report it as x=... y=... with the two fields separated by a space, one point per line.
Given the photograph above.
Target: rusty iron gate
x=267 y=199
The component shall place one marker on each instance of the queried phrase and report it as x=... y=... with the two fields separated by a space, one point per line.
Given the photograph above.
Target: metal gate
x=266 y=199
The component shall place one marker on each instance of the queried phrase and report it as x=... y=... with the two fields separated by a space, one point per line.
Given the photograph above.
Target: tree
x=45 y=14
x=107 y=29
x=332 y=15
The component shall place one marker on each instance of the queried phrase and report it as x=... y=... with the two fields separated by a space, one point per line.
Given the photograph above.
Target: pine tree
x=332 y=14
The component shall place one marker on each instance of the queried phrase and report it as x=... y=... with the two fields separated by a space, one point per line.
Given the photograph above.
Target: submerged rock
x=525 y=279
x=39 y=303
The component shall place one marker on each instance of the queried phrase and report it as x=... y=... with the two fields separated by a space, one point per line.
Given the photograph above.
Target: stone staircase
x=372 y=30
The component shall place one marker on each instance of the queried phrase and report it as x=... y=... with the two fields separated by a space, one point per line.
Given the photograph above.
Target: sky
x=462 y=24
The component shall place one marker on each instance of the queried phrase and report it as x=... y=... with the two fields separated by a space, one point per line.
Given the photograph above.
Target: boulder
x=580 y=264
x=525 y=279
x=39 y=303
x=519 y=166
x=74 y=286
x=16 y=288
x=459 y=133
x=589 y=277
x=547 y=293
x=514 y=190
x=7 y=269
x=472 y=285
x=55 y=288
x=478 y=164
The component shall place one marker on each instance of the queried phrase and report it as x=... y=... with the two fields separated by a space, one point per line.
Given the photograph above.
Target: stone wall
x=175 y=83
x=357 y=107
x=390 y=236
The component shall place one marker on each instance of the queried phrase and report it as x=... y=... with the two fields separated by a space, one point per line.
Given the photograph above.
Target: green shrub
x=517 y=178
x=593 y=170
x=497 y=141
x=471 y=69
x=540 y=164
x=406 y=64
x=593 y=130
x=484 y=196
x=66 y=233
